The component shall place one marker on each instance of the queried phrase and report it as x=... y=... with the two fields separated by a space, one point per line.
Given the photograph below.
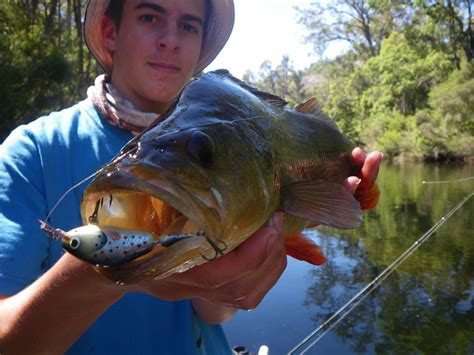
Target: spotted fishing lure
x=109 y=246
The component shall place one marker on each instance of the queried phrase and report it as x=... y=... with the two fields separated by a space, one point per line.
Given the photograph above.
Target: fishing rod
x=332 y=321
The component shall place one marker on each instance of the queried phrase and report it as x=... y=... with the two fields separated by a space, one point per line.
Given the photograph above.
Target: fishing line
x=67 y=193
x=331 y=322
x=446 y=181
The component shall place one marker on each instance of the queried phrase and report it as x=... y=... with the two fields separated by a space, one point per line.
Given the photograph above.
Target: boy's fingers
x=351 y=184
x=370 y=169
x=358 y=157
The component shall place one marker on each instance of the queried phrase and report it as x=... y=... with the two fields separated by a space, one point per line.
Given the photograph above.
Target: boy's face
x=155 y=50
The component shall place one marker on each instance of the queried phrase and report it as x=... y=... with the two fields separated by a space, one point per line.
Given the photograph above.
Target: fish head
x=193 y=172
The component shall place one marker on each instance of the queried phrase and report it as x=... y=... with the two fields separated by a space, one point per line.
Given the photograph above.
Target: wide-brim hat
x=217 y=31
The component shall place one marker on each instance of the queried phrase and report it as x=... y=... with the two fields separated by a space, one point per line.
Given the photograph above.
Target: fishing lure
x=110 y=246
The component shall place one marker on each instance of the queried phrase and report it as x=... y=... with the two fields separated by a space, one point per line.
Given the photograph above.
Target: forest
x=405 y=85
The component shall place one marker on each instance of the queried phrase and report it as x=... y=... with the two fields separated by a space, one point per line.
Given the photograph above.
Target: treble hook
x=218 y=245
x=93 y=218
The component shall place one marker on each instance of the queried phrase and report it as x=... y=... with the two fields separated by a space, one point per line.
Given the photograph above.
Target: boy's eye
x=148 y=18
x=189 y=28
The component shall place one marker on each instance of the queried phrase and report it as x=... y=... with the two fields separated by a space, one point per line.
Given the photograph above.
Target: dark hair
x=115 y=9
x=114 y=12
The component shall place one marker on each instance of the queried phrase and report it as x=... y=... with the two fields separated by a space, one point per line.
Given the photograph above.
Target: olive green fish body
x=223 y=161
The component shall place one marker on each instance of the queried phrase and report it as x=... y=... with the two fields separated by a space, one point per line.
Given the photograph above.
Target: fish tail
x=367 y=194
x=302 y=248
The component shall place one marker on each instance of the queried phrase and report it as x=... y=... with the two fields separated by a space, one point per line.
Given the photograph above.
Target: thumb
x=276 y=222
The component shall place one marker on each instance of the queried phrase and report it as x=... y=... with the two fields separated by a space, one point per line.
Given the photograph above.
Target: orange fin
x=367 y=194
x=302 y=248
x=309 y=106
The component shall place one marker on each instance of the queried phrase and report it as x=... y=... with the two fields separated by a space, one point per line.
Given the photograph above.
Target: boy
x=53 y=302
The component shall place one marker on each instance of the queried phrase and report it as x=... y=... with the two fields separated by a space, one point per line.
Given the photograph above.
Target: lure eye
x=74 y=243
x=201 y=147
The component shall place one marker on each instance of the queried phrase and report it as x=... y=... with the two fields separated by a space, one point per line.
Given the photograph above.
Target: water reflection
x=426 y=306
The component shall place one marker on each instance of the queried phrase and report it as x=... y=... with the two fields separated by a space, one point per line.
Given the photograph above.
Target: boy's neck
x=139 y=104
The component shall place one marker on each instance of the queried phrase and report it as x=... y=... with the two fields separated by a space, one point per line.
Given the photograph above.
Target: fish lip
x=123 y=180
x=157 y=263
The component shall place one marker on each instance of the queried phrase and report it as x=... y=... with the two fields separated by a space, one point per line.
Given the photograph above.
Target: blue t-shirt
x=38 y=163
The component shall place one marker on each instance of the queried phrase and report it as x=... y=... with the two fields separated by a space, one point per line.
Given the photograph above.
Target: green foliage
x=41 y=66
x=335 y=84
x=452 y=116
x=395 y=102
x=454 y=98
x=405 y=86
x=409 y=101
x=453 y=19
x=401 y=77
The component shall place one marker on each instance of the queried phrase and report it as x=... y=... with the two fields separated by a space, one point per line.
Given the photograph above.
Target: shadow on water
x=426 y=306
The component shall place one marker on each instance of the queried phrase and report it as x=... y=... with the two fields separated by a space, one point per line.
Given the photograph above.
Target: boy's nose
x=168 y=38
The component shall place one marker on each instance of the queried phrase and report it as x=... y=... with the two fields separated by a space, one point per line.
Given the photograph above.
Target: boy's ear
x=109 y=33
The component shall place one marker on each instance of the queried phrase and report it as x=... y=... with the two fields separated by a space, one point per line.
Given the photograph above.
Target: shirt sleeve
x=23 y=247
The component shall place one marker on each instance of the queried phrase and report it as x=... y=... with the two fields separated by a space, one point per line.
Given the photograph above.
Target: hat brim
x=218 y=29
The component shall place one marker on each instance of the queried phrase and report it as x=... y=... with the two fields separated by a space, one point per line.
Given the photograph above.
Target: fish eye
x=201 y=147
x=74 y=243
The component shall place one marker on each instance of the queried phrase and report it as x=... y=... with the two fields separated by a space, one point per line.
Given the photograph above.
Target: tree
x=447 y=128
x=454 y=18
x=337 y=86
x=401 y=77
x=42 y=56
x=283 y=80
x=363 y=24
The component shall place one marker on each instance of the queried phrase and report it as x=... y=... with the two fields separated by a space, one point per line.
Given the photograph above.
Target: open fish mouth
x=162 y=209
x=137 y=211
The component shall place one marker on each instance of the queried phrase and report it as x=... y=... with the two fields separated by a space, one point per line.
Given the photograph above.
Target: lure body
x=104 y=246
x=109 y=246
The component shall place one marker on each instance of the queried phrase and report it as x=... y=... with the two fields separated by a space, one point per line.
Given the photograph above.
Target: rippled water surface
x=425 y=306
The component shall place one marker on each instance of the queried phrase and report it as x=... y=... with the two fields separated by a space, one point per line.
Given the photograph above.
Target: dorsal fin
x=309 y=106
x=273 y=100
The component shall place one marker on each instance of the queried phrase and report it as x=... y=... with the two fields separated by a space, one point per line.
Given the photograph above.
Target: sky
x=264 y=30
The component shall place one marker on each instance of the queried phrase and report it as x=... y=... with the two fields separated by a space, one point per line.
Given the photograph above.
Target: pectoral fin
x=322 y=202
x=302 y=248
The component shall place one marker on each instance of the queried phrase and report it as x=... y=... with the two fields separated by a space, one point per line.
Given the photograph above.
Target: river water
x=425 y=306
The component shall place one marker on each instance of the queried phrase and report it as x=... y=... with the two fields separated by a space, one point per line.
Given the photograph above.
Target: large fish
x=214 y=170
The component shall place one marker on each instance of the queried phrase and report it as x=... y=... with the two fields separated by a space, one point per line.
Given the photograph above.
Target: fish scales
x=225 y=158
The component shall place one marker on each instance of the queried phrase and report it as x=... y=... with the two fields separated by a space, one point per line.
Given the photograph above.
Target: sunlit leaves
x=42 y=66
